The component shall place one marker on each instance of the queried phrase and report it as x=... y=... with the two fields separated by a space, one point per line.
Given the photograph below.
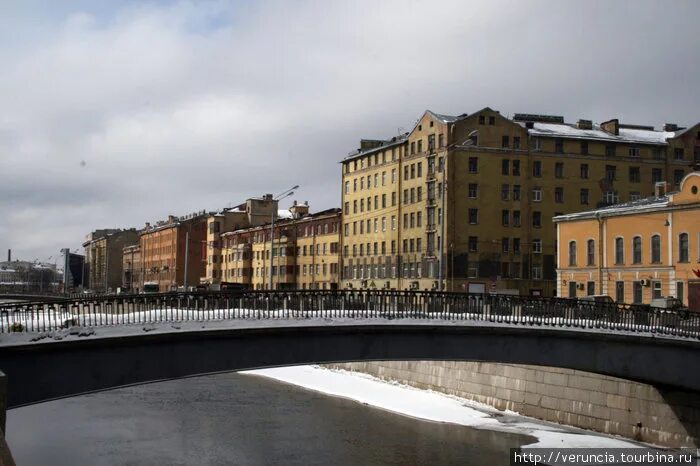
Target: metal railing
x=92 y=311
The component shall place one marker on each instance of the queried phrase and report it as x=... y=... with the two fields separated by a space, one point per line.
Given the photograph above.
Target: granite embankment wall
x=638 y=411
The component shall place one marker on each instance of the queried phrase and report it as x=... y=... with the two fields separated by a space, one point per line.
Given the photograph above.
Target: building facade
x=254 y=212
x=103 y=257
x=173 y=252
x=464 y=203
x=636 y=251
x=132 y=268
x=305 y=254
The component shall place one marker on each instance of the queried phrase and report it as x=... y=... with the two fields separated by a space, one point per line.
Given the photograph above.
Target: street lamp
x=279 y=197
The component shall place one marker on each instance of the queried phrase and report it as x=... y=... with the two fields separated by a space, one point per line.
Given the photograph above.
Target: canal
x=238 y=419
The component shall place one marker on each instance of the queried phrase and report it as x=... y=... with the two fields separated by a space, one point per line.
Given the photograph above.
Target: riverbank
x=437 y=407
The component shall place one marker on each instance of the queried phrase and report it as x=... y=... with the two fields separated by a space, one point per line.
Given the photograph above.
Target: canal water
x=238 y=419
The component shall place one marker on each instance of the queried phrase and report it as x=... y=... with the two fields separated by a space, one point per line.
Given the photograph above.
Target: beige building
x=305 y=254
x=468 y=200
x=636 y=251
x=254 y=212
x=132 y=268
x=103 y=257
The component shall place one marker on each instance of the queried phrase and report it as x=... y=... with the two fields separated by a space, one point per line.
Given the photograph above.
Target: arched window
x=572 y=253
x=637 y=250
x=683 y=247
x=590 y=252
x=619 y=251
x=656 y=249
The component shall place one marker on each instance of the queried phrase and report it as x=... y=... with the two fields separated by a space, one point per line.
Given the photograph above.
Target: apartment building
x=103 y=257
x=173 y=251
x=253 y=212
x=636 y=251
x=132 y=269
x=305 y=253
x=464 y=203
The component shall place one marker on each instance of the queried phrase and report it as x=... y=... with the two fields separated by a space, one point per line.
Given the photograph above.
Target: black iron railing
x=40 y=316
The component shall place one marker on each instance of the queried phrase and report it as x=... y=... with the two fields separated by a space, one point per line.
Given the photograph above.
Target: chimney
x=584 y=124
x=171 y=219
x=660 y=188
x=299 y=210
x=669 y=127
x=611 y=126
x=148 y=225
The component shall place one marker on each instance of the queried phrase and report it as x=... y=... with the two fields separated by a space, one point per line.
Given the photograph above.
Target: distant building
x=103 y=256
x=172 y=252
x=636 y=251
x=253 y=212
x=132 y=268
x=306 y=252
x=73 y=270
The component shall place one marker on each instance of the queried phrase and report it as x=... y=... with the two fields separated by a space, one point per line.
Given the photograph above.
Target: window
x=633 y=151
x=516 y=245
x=657 y=175
x=537 y=219
x=584 y=147
x=505 y=244
x=393 y=199
x=656 y=249
x=505 y=167
x=537 y=272
x=612 y=197
x=590 y=252
x=505 y=217
x=516 y=167
x=610 y=150
x=634 y=175
x=516 y=192
x=473 y=191
x=537 y=246
x=473 y=216
x=637 y=295
x=683 y=255
x=559 y=170
x=584 y=171
x=537 y=168
x=572 y=253
x=516 y=142
x=680 y=291
x=347 y=208
x=656 y=289
x=635 y=195
x=559 y=146
x=393 y=222
x=678 y=176
x=473 y=165
x=620 y=292
x=679 y=153
x=347 y=187
x=441 y=140
x=413 y=148
x=383 y=201
x=516 y=218
x=559 y=194
x=419 y=169
x=590 y=288
x=482 y=119
x=505 y=192
x=610 y=172
x=584 y=196
x=619 y=251
x=637 y=250
x=492 y=120
x=537 y=194
x=505 y=141
x=473 y=244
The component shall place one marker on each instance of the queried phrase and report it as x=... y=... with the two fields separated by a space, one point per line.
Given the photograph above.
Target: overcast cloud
x=116 y=114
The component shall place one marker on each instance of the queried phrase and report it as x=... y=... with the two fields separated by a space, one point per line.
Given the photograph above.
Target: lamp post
x=279 y=197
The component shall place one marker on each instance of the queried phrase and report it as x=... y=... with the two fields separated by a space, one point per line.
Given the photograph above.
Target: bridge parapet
x=92 y=311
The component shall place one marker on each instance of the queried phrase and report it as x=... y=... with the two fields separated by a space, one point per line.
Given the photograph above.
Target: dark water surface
x=238 y=419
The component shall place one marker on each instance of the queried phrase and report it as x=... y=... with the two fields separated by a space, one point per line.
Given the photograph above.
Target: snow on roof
x=281 y=213
x=645 y=204
x=565 y=130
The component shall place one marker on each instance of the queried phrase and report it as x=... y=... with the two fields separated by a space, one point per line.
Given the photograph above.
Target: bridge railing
x=95 y=311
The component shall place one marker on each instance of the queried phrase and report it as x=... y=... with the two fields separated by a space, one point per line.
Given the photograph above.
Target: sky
x=117 y=113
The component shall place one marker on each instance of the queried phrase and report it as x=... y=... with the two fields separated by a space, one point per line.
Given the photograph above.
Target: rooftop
x=645 y=204
x=567 y=130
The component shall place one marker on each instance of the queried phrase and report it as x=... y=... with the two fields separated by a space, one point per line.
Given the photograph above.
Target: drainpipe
x=601 y=253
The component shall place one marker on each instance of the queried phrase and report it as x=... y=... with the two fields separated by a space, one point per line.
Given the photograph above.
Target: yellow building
x=306 y=252
x=253 y=212
x=636 y=251
x=496 y=182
